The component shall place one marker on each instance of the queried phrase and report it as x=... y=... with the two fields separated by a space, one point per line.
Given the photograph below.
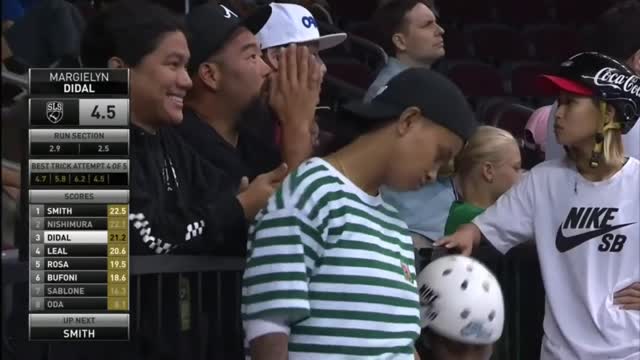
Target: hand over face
x=295 y=88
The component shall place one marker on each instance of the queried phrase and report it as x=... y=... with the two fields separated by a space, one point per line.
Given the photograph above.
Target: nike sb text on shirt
x=585 y=218
x=587 y=236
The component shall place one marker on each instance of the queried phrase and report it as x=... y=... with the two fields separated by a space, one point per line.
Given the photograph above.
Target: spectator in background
x=179 y=202
x=616 y=34
x=11 y=182
x=535 y=137
x=292 y=24
x=6 y=51
x=50 y=31
x=537 y=126
x=13 y=10
x=487 y=167
x=413 y=38
x=410 y=35
x=229 y=77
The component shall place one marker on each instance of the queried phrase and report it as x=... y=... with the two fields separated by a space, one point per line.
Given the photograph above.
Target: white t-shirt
x=553 y=150
x=588 y=242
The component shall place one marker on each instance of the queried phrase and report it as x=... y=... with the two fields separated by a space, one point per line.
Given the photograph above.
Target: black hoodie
x=180 y=203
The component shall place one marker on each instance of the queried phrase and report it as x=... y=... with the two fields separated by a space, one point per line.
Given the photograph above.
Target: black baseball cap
x=438 y=99
x=210 y=25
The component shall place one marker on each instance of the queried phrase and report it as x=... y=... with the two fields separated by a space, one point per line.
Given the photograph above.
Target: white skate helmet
x=460 y=299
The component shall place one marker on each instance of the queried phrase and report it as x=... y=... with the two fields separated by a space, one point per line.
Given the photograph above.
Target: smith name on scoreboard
x=82 y=80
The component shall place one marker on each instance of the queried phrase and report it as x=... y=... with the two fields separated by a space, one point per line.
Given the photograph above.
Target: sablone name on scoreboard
x=78 y=78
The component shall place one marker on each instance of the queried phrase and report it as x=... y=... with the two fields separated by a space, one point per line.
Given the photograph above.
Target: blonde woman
x=582 y=211
x=487 y=167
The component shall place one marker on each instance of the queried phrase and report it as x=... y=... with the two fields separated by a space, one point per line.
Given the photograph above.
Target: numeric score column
x=118 y=258
x=79 y=203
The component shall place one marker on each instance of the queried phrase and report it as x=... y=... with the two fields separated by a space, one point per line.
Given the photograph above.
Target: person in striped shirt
x=330 y=271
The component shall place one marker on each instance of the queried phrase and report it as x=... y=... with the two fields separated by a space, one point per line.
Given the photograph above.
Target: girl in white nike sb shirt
x=583 y=212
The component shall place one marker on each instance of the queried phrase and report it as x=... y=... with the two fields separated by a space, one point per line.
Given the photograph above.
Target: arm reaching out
x=464 y=240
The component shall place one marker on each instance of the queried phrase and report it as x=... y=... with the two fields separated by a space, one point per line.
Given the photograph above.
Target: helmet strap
x=605 y=124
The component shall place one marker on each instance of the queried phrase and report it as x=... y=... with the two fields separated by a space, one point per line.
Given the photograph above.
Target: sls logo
x=54 y=111
x=612 y=78
x=598 y=223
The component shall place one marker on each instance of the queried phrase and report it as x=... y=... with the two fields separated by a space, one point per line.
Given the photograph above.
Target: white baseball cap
x=291 y=23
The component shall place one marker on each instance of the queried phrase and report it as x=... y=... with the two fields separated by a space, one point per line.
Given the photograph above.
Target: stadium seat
x=524 y=11
x=465 y=12
x=487 y=108
x=456 y=44
x=359 y=49
x=350 y=71
x=576 y=12
x=354 y=10
x=476 y=78
x=513 y=117
x=553 y=42
x=524 y=76
x=495 y=42
x=365 y=30
x=321 y=13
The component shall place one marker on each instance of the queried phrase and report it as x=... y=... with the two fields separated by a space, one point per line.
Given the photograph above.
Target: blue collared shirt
x=391 y=69
x=425 y=210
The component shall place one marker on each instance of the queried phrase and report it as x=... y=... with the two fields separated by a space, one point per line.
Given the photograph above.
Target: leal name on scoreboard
x=78 y=77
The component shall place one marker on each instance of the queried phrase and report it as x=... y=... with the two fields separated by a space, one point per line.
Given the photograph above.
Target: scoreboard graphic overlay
x=78 y=204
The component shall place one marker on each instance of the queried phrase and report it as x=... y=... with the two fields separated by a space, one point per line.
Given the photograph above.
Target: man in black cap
x=229 y=76
x=346 y=255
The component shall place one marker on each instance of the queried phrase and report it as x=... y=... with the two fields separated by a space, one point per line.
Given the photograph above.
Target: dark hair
x=616 y=32
x=128 y=29
x=390 y=18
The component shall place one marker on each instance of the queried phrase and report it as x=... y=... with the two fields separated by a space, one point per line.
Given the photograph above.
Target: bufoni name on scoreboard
x=81 y=79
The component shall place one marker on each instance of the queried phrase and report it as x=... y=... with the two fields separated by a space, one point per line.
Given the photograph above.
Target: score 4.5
x=108 y=112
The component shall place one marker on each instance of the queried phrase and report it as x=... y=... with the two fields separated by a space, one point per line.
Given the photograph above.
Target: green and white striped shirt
x=337 y=264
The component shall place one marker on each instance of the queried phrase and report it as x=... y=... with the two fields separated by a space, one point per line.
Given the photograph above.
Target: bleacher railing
x=188 y=307
x=182 y=307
